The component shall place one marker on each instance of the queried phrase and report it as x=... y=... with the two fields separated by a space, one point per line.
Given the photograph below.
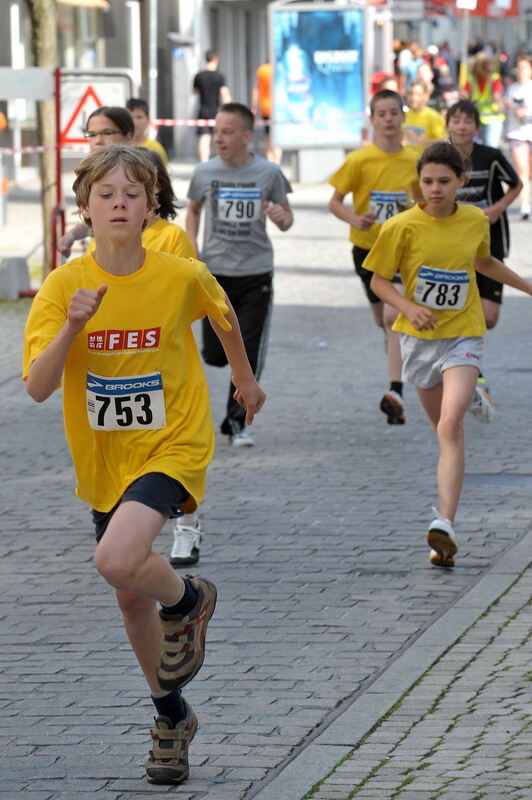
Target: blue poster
x=318 y=82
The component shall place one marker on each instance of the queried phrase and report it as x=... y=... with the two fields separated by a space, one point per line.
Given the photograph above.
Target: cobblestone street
x=330 y=617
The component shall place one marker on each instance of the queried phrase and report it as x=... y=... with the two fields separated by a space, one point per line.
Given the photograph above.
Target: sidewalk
x=463 y=732
x=329 y=614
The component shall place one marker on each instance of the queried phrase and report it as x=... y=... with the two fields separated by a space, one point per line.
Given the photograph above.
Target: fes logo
x=119 y=340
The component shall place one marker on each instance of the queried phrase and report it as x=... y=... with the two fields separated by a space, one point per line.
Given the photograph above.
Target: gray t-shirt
x=235 y=241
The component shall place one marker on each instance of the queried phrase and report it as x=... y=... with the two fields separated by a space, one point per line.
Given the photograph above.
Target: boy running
x=382 y=180
x=114 y=328
x=423 y=125
x=238 y=191
x=437 y=247
x=492 y=185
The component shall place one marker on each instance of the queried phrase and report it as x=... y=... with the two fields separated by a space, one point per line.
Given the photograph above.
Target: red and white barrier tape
x=82 y=148
x=186 y=123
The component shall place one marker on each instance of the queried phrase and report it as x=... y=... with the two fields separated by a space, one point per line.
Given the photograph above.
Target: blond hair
x=102 y=160
x=483 y=64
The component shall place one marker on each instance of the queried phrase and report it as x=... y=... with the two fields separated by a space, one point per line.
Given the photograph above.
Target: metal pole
x=3 y=194
x=462 y=78
x=152 y=73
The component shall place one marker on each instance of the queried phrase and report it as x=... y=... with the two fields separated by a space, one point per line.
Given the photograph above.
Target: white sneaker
x=187 y=538
x=482 y=406
x=442 y=541
x=242 y=439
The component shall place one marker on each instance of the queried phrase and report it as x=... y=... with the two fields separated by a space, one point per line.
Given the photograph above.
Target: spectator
x=484 y=88
x=409 y=71
x=261 y=100
x=519 y=132
x=210 y=85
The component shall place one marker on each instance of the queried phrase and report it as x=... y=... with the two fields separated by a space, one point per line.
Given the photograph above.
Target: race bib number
x=418 y=130
x=387 y=204
x=126 y=404
x=478 y=203
x=239 y=205
x=441 y=288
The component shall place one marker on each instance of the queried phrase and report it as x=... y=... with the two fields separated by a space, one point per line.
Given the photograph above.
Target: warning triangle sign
x=86 y=105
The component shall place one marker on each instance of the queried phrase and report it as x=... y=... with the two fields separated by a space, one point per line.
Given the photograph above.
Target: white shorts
x=424 y=360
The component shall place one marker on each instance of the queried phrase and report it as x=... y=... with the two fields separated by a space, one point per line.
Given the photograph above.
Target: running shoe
x=183 y=639
x=242 y=439
x=187 y=539
x=482 y=407
x=392 y=405
x=168 y=761
x=442 y=541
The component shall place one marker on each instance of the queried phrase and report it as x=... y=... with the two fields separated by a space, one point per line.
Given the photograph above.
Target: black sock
x=397 y=386
x=187 y=602
x=171 y=705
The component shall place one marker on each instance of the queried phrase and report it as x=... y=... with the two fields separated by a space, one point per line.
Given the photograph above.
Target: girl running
x=437 y=245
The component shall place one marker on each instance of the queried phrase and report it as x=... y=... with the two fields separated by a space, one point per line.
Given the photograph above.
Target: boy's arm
x=79 y=231
x=421 y=318
x=494 y=211
x=192 y=223
x=46 y=371
x=280 y=214
x=497 y=271
x=248 y=392
x=336 y=205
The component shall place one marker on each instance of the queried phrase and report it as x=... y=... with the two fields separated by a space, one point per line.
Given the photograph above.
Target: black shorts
x=201 y=131
x=155 y=490
x=266 y=125
x=365 y=275
x=489 y=289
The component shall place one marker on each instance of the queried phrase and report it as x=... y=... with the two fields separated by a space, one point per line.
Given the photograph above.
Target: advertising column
x=319 y=81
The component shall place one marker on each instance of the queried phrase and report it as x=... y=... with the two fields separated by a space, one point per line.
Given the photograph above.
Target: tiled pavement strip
x=316 y=540
x=464 y=732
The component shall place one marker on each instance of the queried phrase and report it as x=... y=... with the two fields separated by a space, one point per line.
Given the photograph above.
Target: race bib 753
x=125 y=403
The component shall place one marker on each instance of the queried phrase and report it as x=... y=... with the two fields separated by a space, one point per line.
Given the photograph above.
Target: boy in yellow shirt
x=114 y=328
x=422 y=125
x=140 y=113
x=382 y=181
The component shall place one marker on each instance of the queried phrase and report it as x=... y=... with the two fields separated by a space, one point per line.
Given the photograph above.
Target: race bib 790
x=239 y=204
x=126 y=403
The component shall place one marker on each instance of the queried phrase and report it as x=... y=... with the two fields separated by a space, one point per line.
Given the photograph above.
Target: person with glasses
x=106 y=125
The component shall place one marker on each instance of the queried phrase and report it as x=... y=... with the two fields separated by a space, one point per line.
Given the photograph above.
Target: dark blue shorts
x=155 y=490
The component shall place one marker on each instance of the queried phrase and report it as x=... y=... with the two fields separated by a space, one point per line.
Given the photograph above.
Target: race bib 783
x=442 y=289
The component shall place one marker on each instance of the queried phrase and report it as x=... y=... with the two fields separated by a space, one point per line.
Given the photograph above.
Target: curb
x=322 y=755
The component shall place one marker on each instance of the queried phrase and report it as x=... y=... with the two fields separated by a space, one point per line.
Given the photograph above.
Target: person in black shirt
x=213 y=92
x=492 y=184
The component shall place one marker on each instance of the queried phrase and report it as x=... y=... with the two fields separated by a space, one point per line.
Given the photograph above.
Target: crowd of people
x=432 y=78
x=425 y=199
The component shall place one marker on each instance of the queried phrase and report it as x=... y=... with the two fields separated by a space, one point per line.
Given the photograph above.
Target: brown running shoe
x=183 y=640
x=168 y=761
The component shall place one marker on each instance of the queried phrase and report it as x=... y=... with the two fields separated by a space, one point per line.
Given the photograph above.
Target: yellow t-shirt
x=118 y=429
x=153 y=144
x=427 y=123
x=163 y=236
x=435 y=258
x=378 y=181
